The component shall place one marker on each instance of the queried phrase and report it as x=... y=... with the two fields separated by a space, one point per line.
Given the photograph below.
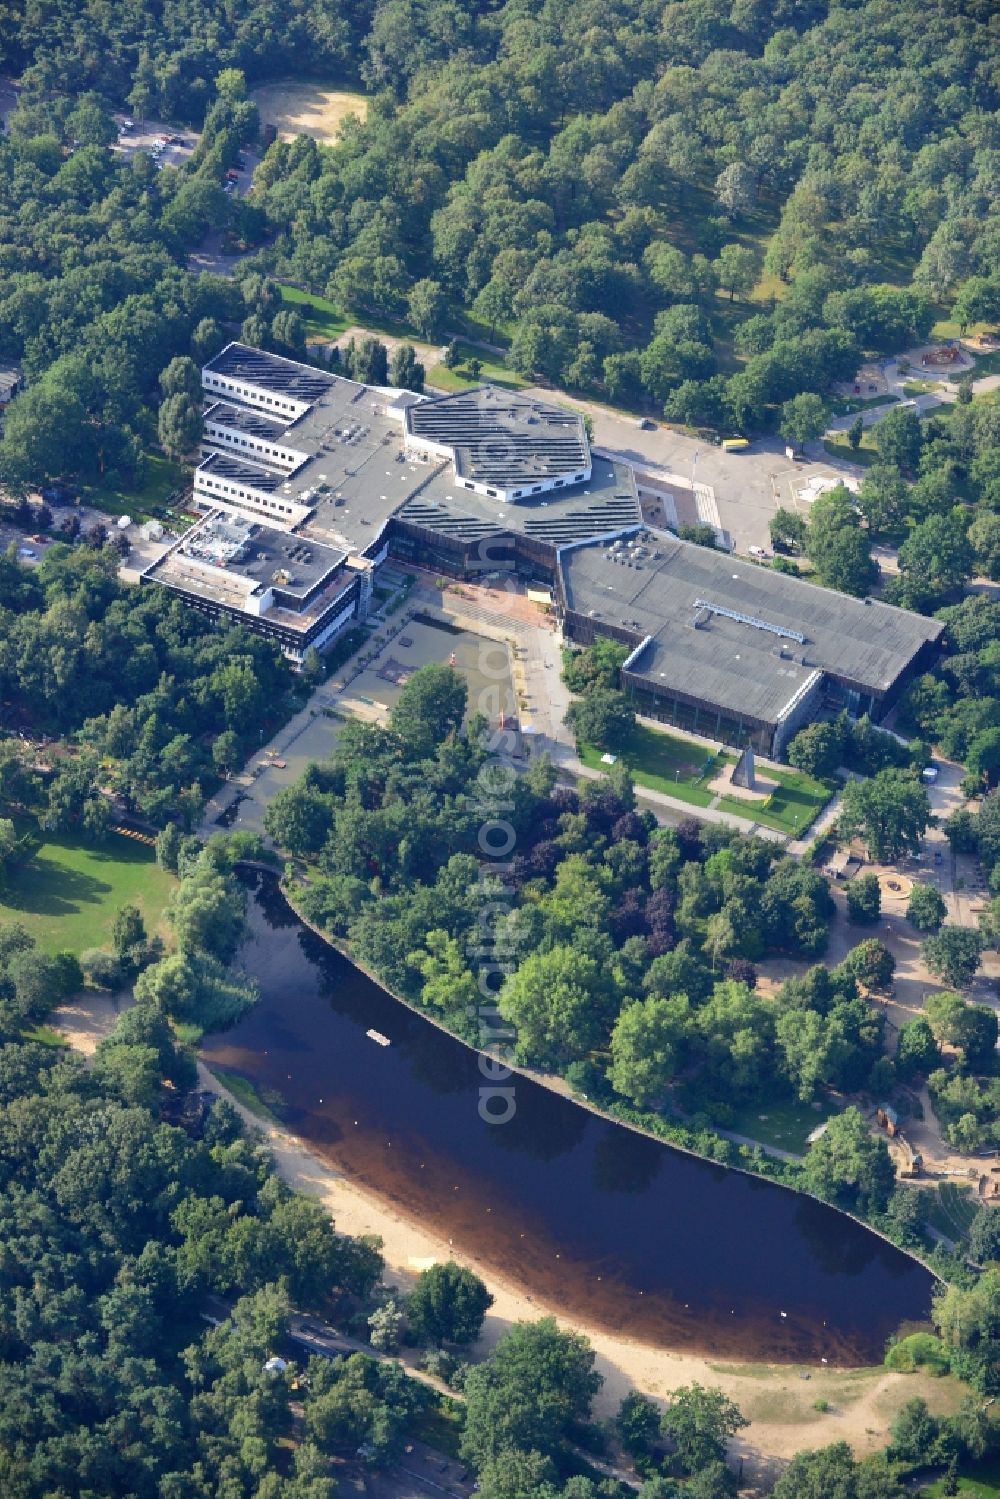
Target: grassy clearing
x=147 y=501
x=482 y=332
x=245 y=1093
x=301 y=108
x=779 y=1393
x=944 y=1394
x=322 y=319
x=439 y=1423
x=987 y=364
x=953 y=1209
x=43 y=1035
x=665 y=763
x=978 y=1480
x=67 y=894
x=679 y=768
x=786 y=1126
x=845 y=405
x=792 y=807
x=494 y=371
x=838 y=447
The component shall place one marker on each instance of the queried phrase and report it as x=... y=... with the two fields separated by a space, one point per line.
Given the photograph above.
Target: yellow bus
x=735 y=444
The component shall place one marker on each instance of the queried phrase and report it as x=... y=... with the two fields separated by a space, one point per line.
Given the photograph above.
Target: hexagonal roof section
x=502 y=441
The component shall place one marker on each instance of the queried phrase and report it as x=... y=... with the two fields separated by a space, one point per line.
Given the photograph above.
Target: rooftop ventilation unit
x=749 y=619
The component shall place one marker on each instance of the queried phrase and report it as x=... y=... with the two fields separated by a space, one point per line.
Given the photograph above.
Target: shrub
x=921 y=1350
x=102 y=968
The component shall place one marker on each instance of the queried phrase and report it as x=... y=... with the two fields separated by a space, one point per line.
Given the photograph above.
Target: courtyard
x=367 y=685
x=694 y=771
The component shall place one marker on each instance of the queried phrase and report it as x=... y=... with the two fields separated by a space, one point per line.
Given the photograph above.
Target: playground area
x=948 y=359
x=869 y=382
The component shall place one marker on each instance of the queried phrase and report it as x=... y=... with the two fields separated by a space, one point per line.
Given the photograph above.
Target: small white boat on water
x=374 y=1035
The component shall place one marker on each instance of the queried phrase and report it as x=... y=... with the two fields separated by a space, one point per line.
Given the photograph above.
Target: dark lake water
x=588 y=1217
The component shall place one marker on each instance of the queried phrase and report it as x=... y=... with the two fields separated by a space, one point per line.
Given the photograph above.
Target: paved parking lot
x=144 y=135
x=748 y=487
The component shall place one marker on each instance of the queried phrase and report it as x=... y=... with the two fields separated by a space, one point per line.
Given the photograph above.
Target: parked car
x=760 y=552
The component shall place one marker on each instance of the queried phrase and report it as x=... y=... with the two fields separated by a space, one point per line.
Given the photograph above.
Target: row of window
x=518 y=494
x=226 y=435
x=250 y=392
x=242 y=494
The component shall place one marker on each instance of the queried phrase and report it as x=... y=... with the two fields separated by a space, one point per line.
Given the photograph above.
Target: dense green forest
x=606 y=186
x=165 y=58
x=605 y=182
x=623 y=953
x=130 y=1221
x=158 y=702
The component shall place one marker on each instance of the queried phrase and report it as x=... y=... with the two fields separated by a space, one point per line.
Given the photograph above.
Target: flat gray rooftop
x=685 y=597
x=359 y=473
x=503 y=438
x=260 y=554
x=605 y=503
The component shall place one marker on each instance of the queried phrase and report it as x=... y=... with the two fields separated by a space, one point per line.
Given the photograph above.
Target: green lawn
x=785 y=1125
x=791 y=808
x=665 y=763
x=438 y=1422
x=43 y=1035
x=68 y=893
x=987 y=364
x=844 y=405
x=322 y=318
x=494 y=371
x=147 y=501
x=679 y=768
x=977 y=1480
x=838 y=447
x=953 y=1209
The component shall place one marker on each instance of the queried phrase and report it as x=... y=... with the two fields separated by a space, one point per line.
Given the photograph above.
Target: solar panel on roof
x=270 y=372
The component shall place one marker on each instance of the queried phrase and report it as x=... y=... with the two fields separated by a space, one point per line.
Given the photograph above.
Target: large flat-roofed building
x=488 y=479
x=732 y=650
x=312 y=480
x=298 y=592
